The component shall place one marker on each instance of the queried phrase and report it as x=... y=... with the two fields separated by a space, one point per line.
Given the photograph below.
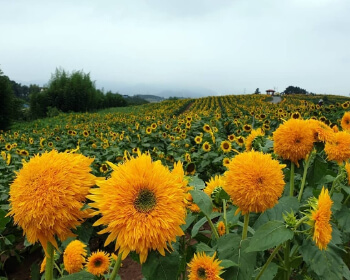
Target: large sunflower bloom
x=345 y=121
x=320 y=130
x=293 y=140
x=98 y=263
x=135 y=204
x=338 y=147
x=204 y=267
x=48 y=194
x=320 y=217
x=74 y=256
x=254 y=181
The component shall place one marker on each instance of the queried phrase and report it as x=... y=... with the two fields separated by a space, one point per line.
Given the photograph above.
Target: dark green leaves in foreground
x=269 y=235
x=82 y=275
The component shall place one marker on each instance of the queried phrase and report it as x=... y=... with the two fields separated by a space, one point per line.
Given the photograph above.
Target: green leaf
x=327 y=264
x=3 y=220
x=271 y=234
x=231 y=247
x=227 y=263
x=269 y=273
x=197 y=183
x=201 y=222
x=203 y=201
x=337 y=201
x=189 y=220
x=82 y=275
x=202 y=247
x=343 y=218
x=284 y=205
x=159 y=267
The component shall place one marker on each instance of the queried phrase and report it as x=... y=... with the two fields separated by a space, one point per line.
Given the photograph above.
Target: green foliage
x=269 y=235
x=7 y=101
x=295 y=90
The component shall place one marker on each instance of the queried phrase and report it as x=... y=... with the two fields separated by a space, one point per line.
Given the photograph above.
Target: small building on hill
x=270 y=91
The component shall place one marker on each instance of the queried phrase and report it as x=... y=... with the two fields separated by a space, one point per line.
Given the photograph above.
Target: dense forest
x=65 y=92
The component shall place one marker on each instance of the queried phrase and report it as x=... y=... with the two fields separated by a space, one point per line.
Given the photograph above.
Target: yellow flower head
x=48 y=193
x=320 y=130
x=204 y=267
x=206 y=146
x=345 y=121
x=135 y=204
x=221 y=228
x=207 y=128
x=249 y=141
x=225 y=146
x=320 y=217
x=198 y=139
x=214 y=183
x=74 y=256
x=98 y=263
x=338 y=147
x=293 y=140
x=254 y=181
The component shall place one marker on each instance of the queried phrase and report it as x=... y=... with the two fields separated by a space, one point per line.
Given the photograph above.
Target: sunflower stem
x=347 y=199
x=212 y=227
x=287 y=260
x=306 y=167
x=275 y=251
x=49 y=261
x=336 y=180
x=245 y=226
x=116 y=266
x=300 y=221
x=225 y=216
x=291 y=181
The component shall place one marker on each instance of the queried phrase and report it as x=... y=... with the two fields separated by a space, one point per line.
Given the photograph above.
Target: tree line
x=65 y=92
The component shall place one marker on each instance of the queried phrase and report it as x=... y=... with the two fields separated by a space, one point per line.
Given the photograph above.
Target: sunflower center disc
x=145 y=201
x=201 y=273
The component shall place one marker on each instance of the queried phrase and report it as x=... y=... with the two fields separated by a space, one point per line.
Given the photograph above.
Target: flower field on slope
x=229 y=187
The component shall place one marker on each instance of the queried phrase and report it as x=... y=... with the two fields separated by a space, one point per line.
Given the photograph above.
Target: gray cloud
x=223 y=47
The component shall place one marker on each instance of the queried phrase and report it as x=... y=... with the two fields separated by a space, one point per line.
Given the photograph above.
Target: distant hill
x=150 y=98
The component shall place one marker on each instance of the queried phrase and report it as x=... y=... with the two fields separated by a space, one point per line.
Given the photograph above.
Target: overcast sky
x=209 y=46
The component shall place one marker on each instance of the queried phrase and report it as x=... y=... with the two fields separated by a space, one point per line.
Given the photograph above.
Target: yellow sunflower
x=204 y=267
x=214 y=183
x=240 y=140
x=293 y=140
x=345 y=121
x=221 y=228
x=74 y=256
x=225 y=146
x=254 y=181
x=319 y=221
x=320 y=130
x=226 y=162
x=48 y=194
x=207 y=128
x=206 y=146
x=103 y=168
x=347 y=168
x=134 y=204
x=98 y=263
x=198 y=139
x=231 y=137
x=338 y=147
x=247 y=127
x=249 y=141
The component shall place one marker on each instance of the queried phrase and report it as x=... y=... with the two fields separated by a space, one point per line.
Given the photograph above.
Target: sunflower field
x=225 y=187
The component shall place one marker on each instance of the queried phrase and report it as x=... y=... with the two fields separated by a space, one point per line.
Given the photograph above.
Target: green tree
x=7 y=101
x=295 y=90
x=257 y=91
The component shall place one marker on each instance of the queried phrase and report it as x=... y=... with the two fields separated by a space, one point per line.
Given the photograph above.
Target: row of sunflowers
x=226 y=187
